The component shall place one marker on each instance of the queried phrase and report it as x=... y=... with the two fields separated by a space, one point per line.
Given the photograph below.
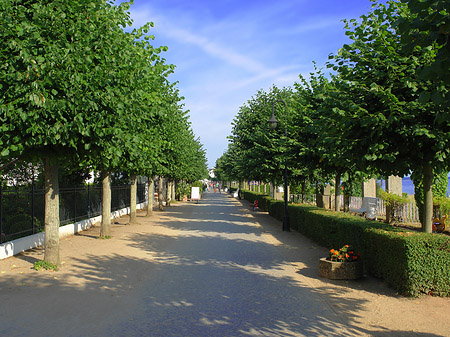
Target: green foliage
x=46 y=265
x=198 y=184
x=429 y=28
x=182 y=189
x=413 y=263
x=444 y=205
x=394 y=203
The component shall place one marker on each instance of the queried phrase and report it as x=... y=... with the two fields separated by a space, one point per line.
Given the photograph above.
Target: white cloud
x=226 y=51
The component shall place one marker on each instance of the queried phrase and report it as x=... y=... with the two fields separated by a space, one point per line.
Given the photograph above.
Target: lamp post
x=273 y=125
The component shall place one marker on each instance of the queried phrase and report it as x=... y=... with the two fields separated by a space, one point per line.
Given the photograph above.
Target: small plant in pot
x=341 y=264
x=345 y=254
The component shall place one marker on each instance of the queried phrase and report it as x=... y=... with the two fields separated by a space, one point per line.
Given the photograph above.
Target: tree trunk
x=304 y=192
x=173 y=190
x=427 y=225
x=160 y=193
x=320 y=190
x=51 y=217
x=346 y=202
x=150 y=185
x=337 y=193
x=168 y=192
x=133 y=193
x=105 y=228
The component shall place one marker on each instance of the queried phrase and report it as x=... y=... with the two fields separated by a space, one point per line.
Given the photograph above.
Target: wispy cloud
x=225 y=51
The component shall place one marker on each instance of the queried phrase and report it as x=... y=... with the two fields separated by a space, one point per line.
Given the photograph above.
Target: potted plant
x=341 y=264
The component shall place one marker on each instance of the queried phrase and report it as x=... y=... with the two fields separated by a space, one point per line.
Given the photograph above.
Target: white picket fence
x=408 y=213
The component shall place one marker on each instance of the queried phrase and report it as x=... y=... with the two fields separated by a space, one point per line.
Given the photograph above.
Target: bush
x=413 y=263
x=394 y=204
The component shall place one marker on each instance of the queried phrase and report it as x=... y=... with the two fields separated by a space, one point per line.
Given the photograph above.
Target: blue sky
x=226 y=50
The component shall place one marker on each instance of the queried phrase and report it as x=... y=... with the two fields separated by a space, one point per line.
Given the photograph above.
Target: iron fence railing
x=22 y=207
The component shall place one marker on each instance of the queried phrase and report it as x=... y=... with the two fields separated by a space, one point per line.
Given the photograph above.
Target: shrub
x=413 y=263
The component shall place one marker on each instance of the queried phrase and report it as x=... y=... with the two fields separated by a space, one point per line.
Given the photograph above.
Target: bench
x=369 y=208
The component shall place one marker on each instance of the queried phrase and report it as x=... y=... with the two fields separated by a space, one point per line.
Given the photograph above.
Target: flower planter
x=340 y=270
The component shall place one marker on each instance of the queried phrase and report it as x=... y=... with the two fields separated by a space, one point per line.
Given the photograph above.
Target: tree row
x=382 y=109
x=78 y=86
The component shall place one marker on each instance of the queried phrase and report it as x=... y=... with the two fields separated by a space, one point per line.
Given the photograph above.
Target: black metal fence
x=22 y=207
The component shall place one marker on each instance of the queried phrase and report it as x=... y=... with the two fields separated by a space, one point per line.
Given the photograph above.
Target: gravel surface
x=212 y=268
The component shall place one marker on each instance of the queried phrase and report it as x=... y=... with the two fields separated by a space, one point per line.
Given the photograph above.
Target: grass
x=46 y=265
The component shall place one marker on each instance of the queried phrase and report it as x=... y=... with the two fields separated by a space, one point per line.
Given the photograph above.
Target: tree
x=396 y=131
x=67 y=76
x=428 y=27
x=259 y=152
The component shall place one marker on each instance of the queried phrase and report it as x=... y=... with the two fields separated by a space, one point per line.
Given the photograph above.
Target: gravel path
x=209 y=269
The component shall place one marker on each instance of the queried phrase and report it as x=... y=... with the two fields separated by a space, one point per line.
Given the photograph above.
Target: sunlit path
x=218 y=274
x=213 y=268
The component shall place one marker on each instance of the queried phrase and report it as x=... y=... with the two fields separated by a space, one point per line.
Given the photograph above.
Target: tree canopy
x=380 y=111
x=75 y=86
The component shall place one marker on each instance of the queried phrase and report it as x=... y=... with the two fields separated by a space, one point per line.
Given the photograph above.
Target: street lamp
x=273 y=125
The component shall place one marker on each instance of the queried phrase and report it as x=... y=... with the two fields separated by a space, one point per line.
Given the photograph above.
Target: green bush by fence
x=410 y=262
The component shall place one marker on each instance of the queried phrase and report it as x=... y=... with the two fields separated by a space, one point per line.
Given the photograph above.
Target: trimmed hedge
x=412 y=263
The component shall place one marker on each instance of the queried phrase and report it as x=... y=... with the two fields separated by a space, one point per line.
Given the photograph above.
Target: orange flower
x=331 y=251
x=346 y=255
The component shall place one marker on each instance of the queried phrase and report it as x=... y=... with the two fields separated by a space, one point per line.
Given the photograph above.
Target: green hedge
x=413 y=263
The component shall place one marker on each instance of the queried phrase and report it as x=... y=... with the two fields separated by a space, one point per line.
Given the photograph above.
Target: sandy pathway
x=204 y=264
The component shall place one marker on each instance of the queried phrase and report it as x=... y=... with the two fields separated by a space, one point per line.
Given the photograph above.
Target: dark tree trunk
x=337 y=193
x=427 y=225
x=133 y=193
